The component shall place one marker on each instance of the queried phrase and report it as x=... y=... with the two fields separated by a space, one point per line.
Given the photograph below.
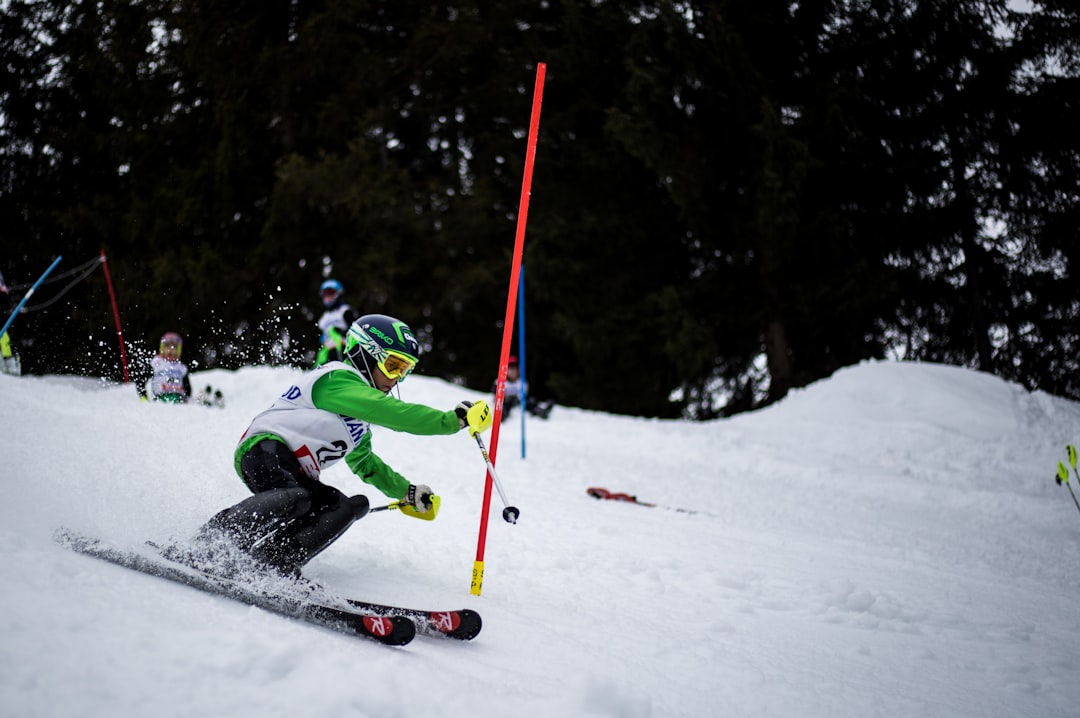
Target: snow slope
x=888 y=542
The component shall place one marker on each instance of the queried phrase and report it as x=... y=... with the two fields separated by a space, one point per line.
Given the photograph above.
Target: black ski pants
x=290 y=518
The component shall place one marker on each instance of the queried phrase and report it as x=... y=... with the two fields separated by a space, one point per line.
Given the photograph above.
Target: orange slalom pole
x=508 y=323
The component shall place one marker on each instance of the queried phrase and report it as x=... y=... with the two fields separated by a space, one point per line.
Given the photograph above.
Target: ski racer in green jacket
x=323 y=418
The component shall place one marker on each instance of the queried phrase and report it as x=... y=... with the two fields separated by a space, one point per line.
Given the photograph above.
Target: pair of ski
x=390 y=625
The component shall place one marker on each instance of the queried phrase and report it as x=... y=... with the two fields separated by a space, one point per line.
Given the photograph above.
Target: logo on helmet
x=405 y=335
x=380 y=335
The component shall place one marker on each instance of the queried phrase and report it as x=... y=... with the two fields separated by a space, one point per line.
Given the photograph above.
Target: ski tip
x=470 y=625
x=463 y=625
x=389 y=630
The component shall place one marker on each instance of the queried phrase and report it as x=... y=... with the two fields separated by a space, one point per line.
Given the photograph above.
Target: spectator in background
x=334 y=323
x=165 y=377
x=515 y=387
x=9 y=360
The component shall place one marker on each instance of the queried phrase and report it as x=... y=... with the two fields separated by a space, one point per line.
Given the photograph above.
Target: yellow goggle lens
x=396 y=366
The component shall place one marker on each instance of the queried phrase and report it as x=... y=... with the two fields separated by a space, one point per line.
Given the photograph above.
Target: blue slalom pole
x=521 y=354
x=28 y=294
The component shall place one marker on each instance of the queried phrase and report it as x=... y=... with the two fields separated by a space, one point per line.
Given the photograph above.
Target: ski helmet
x=171 y=339
x=382 y=341
x=330 y=290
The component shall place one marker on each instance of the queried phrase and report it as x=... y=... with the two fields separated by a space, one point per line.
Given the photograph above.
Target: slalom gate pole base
x=477 y=578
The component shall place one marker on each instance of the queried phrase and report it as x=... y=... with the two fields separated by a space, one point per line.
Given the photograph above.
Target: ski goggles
x=396 y=365
x=171 y=341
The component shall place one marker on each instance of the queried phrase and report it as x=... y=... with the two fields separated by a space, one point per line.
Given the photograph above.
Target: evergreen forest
x=731 y=198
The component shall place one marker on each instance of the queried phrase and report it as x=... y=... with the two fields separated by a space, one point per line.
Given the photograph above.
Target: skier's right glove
x=419 y=502
x=419 y=497
x=477 y=417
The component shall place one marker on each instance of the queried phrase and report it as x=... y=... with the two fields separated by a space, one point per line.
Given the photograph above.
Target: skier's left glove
x=476 y=417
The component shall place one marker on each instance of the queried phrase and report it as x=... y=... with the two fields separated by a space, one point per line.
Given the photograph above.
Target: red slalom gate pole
x=508 y=324
x=116 y=314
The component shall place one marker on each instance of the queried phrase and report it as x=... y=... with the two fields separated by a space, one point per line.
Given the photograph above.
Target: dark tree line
x=730 y=199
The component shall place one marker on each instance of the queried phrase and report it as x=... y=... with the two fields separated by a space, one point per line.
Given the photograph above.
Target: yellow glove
x=476 y=417
x=419 y=503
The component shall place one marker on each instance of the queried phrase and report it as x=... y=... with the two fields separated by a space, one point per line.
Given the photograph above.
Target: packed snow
x=886 y=542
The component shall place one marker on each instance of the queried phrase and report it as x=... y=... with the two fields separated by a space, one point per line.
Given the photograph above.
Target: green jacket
x=327 y=416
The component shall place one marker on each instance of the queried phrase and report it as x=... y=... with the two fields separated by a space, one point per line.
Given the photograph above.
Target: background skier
x=335 y=321
x=165 y=377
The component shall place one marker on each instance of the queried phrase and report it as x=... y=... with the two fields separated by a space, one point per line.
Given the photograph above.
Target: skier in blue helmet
x=334 y=322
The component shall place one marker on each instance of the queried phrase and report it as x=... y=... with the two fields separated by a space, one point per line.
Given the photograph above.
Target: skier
x=512 y=394
x=325 y=417
x=9 y=360
x=335 y=321
x=165 y=374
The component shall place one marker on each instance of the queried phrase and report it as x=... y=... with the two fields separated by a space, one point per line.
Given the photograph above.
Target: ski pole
x=409 y=510
x=510 y=513
x=1063 y=476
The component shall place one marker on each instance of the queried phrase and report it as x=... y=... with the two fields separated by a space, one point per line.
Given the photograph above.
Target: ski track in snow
x=887 y=542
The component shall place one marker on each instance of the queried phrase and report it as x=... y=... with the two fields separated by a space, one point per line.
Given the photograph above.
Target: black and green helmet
x=382 y=341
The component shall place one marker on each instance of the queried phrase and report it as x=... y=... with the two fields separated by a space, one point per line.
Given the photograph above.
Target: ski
x=392 y=630
x=598 y=492
x=463 y=624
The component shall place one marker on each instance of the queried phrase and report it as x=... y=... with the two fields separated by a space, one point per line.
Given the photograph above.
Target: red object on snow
x=599 y=493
